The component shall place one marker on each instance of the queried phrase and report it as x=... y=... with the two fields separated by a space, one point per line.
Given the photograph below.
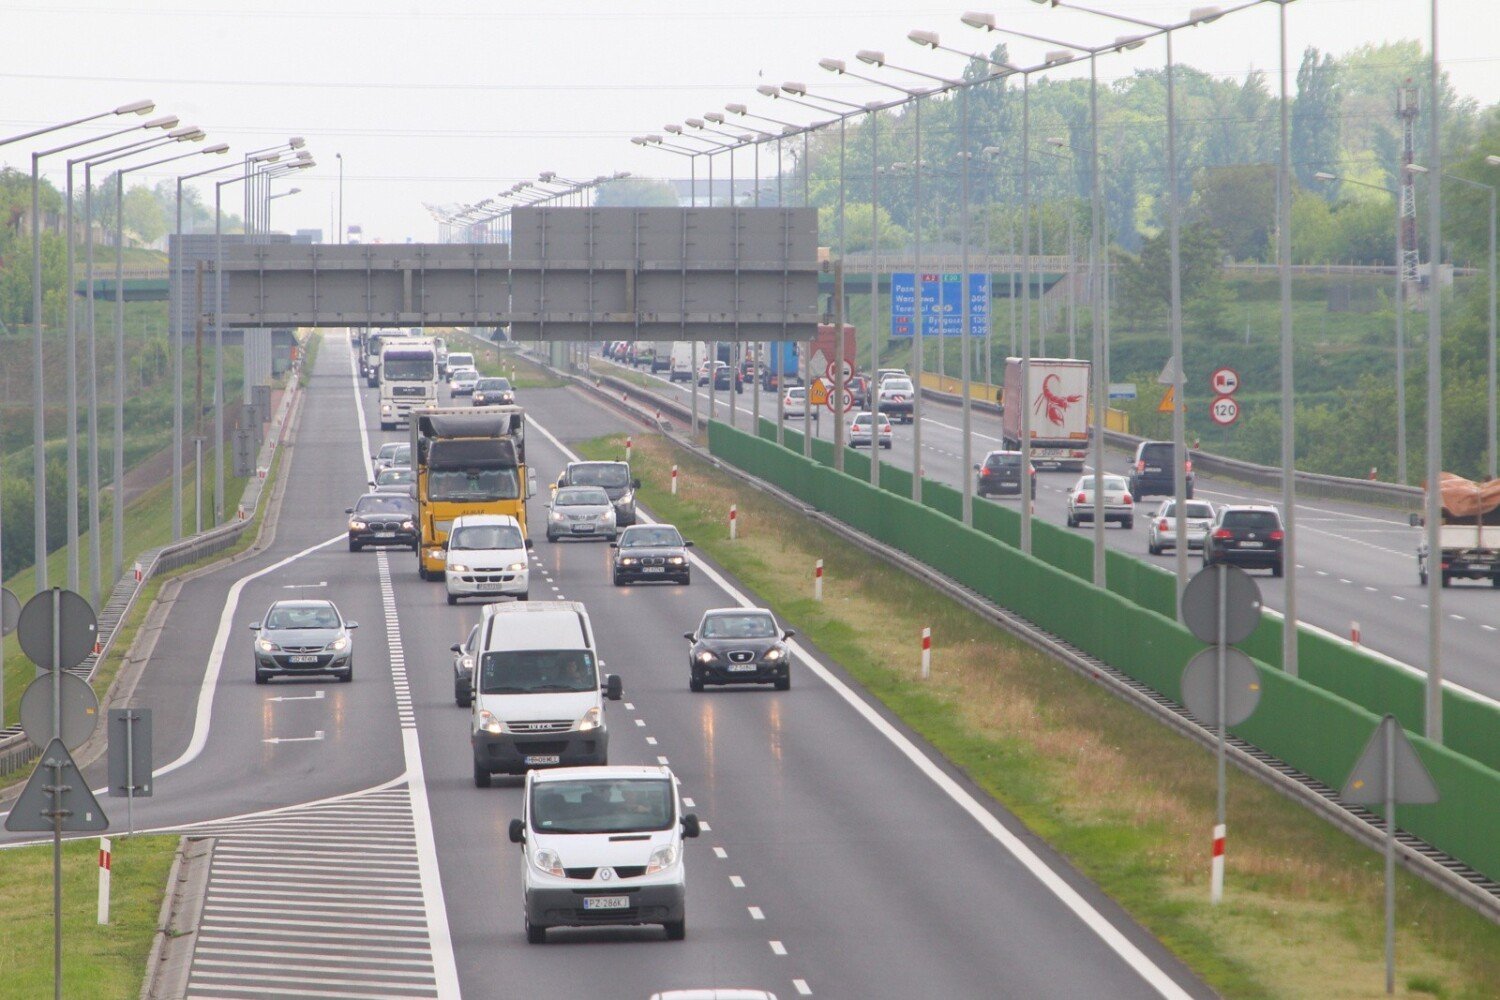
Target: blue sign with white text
x=941 y=305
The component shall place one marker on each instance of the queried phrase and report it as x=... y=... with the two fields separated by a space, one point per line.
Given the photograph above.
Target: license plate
x=302 y=659
x=550 y=758
x=606 y=902
x=741 y=667
x=487 y=586
x=583 y=529
x=654 y=569
x=1252 y=545
x=385 y=534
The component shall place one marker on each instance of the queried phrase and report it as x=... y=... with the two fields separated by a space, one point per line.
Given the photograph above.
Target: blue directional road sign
x=941 y=304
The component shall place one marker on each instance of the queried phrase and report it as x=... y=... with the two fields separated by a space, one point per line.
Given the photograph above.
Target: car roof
x=611 y=771
x=602 y=461
x=470 y=520
x=553 y=625
x=1249 y=506
x=304 y=602
x=714 y=612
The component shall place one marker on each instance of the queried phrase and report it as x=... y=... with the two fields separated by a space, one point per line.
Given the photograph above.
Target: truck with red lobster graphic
x=1058 y=400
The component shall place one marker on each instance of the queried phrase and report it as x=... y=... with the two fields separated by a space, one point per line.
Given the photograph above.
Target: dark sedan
x=298 y=638
x=739 y=646
x=651 y=552
x=493 y=392
x=382 y=519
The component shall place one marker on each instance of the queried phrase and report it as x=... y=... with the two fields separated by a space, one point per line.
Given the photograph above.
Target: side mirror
x=614 y=545
x=370 y=483
x=348 y=510
x=351 y=625
x=687 y=544
x=517 y=831
x=613 y=689
x=976 y=468
x=254 y=626
x=690 y=825
x=689 y=637
x=635 y=484
x=455 y=648
x=789 y=633
x=529 y=544
x=1415 y=520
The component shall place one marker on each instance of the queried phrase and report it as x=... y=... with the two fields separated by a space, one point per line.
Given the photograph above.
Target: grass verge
x=494 y=361
x=310 y=355
x=106 y=962
x=1127 y=801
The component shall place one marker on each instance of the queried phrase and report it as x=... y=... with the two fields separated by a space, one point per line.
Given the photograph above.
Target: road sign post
x=10 y=613
x=130 y=772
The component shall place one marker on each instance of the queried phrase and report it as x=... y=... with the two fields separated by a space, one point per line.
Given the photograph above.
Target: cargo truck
x=1469 y=532
x=786 y=351
x=408 y=378
x=1058 y=400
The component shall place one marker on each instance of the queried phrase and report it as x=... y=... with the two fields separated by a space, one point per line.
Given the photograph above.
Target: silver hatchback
x=1162 y=532
x=581 y=512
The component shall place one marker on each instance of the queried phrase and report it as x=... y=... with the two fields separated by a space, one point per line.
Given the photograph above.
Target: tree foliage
x=639 y=191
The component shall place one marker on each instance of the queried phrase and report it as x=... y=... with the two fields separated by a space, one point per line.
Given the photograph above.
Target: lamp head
x=766 y=90
x=871 y=57
x=296 y=142
x=927 y=38
x=265 y=157
x=639 y=140
x=1492 y=160
x=295 y=191
x=1057 y=141
x=736 y=109
x=1415 y=168
x=793 y=87
x=190 y=134
x=1205 y=15
x=136 y=108
x=1124 y=43
x=546 y=176
x=1057 y=57
x=222 y=147
x=694 y=122
x=976 y=19
x=714 y=117
x=304 y=155
x=655 y=140
x=620 y=175
x=1323 y=175
x=169 y=122
x=832 y=65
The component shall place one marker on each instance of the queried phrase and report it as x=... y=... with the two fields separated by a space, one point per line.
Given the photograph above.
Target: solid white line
x=301 y=937
x=280 y=967
x=1085 y=911
x=201 y=950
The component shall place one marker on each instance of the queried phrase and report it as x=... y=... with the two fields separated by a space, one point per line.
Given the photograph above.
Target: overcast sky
x=454 y=100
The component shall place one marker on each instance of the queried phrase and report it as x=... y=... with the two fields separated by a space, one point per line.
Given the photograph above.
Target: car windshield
x=401 y=458
x=532 y=671
x=487 y=536
x=896 y=385
x=464 y=373
x=795 y=393
x=862 y=420
x=1157 y=454
x=494 y=384
x=1251 y=519
x=394 y=477
x=385 y=503
x=388 y=451
x=610 y=475
x=654 y=535
x=474 y=484
x=1202 y=511
x=1112 y=484
x=302 y=616
x=1003 y=461
x=580 y=496
x=602 y=805
x=738 y=627
x=460 y=360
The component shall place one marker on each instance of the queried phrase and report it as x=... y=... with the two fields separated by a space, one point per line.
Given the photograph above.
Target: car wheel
x=615 y=578
x=524 y=597
x=551 y=537
x=481 y=777
x=1446 y=580
x=459 y=699
x=452 y=598
x=695 y=683
x=1072 y=521
x=1128 y=523
x=535 y=934
x=687 y=579
x=348 y=674
x=1422 y=577
x=261 y=677
x=1189 y=494
x=1153 y=548
x=783 y=684
x=422 y=570
x=1278 y=570
x=354 y=546
x=886 y=445
x=676 y=929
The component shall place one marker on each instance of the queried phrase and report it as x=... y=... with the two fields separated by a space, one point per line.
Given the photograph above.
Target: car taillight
x=1277 y=536
x=985 y=472
x=1080 y=454
x=1128 y=500
x=1188 y=465
x=1161 y=525
x=1140 y=465
x=1223 y=534
x=1081 y=498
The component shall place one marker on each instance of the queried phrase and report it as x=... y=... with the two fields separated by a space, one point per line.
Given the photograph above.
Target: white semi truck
x=408 y=378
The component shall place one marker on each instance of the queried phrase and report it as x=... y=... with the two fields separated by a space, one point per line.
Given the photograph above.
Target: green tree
x=1315 y=118
x=1240 y=202
x=1146 y=280
x=143 y=215
x=636 y=191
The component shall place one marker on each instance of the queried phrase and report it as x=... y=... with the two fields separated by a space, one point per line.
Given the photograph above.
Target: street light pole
x=1434 y=699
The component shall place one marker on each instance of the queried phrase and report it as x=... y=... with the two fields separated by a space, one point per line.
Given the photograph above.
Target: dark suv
x=1248 y=536
x=1151 y=471
x=1000 y=472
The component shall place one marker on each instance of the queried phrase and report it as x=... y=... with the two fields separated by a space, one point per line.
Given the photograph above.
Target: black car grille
x=542 y=748
x=741 y=656
x=622 y=871
x=384 y=525
x=653 y=561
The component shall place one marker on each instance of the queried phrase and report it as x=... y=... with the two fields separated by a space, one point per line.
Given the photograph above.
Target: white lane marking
x=777 y=948
x=687 y=802
x=703 y=825
x=803 y=989
x=1397 y=597
x=315 y=696
x=721 y=854
x=1458 y=618
x=1370 y=589
x=756 y=913
x=304 y=586
x=736 y=881
x=663 y=761
x=1488 y=628
x=640 y=722
x=1092 y=918
x=651 y=741
x=629 y=706
x=317 y=737
x=1343 y=580
x=444 y=964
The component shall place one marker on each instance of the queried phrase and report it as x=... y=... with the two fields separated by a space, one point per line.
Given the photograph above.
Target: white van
x=681 y=368
x=537 y=690
x=603 y=845
x=459 y=359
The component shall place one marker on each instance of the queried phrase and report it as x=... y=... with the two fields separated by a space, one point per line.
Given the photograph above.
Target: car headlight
x=548 y=861
x=707 y=657
x=457 y=568
x=774 y=654
x=676 y=560
x=385 y=407
x=557 y=515
x=357 y=525
x=489 y=722
x=661 y=859
x=629 y=561
x=407 y=525
x=515 y=567
x=592 y=719
x=340 y=644
x=266 y=645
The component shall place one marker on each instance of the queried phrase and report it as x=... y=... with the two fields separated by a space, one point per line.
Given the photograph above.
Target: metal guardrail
x=15 y=749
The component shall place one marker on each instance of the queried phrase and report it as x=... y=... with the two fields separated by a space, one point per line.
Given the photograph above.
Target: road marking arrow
x=315 y=696
x=296 y=739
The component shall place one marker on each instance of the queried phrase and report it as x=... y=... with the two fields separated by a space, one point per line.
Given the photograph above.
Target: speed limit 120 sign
x=1225 y=411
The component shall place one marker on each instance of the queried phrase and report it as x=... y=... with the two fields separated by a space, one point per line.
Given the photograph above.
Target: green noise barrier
x=1318 y=722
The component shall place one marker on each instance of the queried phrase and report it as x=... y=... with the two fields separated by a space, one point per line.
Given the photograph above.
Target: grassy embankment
x=494 y=361
x=1129 y=803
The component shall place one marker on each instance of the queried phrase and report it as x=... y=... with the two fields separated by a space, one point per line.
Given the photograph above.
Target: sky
x=451 y=101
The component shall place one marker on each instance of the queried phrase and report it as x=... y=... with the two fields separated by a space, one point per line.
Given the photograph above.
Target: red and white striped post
x=105 y=856
x=1216 y=878
x=1354 y=632
x=628 y=443
x=734 y=518
x=139 y=574
x=674 y=480
x=926 y=653
x=818 y=580
x=1374 y=472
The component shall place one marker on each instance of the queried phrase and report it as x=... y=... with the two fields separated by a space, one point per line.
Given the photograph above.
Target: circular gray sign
x=1200 y=604
x=80 y=711
x=78 y=629
x=1241 y=687
x=10 y=611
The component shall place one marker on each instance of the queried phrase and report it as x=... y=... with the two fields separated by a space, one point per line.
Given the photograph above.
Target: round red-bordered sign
x=1225 y=410
x=1224 y=381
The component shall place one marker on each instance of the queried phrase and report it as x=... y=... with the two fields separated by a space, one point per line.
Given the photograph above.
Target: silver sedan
x=1118 y=505
x=581 y=512
x=1162 y=531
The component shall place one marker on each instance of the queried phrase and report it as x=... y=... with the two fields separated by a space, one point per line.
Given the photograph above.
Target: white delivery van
x=538 y=694
x=603 y=845
x=681 y=369
x=459 y=359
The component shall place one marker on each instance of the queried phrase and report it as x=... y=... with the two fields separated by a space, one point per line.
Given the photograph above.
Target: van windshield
x=602 y=805
x=534 y=671
x=487 y=536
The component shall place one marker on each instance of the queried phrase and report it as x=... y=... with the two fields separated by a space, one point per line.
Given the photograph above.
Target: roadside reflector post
x=105 y=861
x=138 y=574
x=674 y=480
x=628 y=443
x=1216 y=886
x=818 y=580
x=926 y=653
x=733 y=521
x=1374 y=472
x=1354 y=633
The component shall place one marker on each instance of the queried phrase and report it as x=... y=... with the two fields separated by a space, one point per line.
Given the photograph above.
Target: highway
x=1356 y=563
x=839 y=857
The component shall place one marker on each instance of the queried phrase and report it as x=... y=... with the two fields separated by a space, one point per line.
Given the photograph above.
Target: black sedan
x=298 y=638
x=651 y=552
x=739 y=646
x=490 y=391
x=382 y=519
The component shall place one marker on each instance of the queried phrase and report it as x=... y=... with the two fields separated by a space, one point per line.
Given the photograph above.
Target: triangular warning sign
x=1366 y=784
x=33 y=811
x=1168 y=401
x=1168 y=374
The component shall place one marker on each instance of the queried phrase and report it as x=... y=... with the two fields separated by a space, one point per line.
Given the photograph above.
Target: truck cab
x=408 y=378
